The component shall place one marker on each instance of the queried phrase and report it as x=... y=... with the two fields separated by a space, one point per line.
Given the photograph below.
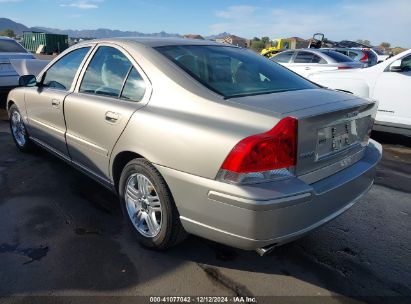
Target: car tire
x=18 y=130
x=148 y=206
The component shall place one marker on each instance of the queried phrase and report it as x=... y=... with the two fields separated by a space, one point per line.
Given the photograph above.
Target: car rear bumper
x=396 y=128
x=274 y=213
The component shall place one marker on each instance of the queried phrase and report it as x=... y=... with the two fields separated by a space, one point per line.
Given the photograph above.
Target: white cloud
x=86 y=4
x=377 y=21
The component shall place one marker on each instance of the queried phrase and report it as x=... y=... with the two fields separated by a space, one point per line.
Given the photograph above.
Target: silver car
x=202 y=138
x=308 y=61
x=9 y=78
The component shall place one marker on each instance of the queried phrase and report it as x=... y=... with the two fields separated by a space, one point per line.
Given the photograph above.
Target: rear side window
x=283 y=57
x=134 y=88
x=61 y=75
x=11 y=46
x=106 y=73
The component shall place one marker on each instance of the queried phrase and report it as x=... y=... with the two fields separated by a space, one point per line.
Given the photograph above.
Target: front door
x=111 y=90
x=45 y=103
x=393 y=91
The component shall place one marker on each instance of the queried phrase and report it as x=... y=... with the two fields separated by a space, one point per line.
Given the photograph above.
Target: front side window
x=106 y=73
x=284 y=57
x=406 y=64
x=233 y=72
x=61 y=75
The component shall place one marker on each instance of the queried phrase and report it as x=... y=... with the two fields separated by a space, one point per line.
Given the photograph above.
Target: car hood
x=287 y=102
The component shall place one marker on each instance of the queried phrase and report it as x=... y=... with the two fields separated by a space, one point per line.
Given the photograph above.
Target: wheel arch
x=118 y=164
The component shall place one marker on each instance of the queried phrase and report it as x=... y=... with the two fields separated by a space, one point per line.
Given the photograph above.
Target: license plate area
x=336 y=138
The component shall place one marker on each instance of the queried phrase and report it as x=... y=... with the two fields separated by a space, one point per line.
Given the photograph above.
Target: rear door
x=45 y=103
x=305 y=63
x=111 y=89
x=393 y=91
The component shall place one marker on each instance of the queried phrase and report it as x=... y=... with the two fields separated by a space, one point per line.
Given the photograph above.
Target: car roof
x=157 y=42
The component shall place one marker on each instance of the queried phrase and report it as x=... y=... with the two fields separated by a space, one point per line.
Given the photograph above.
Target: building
x=45 y=43
x=234 y=40
x=297 y=43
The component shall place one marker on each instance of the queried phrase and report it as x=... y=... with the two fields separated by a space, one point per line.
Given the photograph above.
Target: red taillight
x=275 y=149
x=344 y=67
x=364 y=58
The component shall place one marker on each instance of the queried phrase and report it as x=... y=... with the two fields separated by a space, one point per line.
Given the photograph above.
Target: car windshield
x=338 y=57
x=11 y=46
x=234 y=72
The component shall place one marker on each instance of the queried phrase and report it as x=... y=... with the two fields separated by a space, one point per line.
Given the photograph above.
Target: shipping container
x=45 y=43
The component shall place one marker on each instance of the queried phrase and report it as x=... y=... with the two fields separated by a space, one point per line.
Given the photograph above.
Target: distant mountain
x=17 y=28
x=106 y=33
x=218 y=36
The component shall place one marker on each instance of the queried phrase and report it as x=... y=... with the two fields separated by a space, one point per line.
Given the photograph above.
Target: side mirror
x=396 y=66
x=27 y=81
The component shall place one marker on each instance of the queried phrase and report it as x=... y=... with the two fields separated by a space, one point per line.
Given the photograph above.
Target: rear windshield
x=234 y=72
x=337 y=56
x=11 y=46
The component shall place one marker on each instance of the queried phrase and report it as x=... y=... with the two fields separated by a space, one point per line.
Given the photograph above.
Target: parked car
x=381 y=56
x=9 y=79
x=307 y=61
x=366 y=56
x=201 y=137
x=388 y=82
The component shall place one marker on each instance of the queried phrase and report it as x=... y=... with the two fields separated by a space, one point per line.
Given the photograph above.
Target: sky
x=374 y=20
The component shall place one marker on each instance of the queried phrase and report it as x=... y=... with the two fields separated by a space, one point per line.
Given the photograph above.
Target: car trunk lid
x=333 y=127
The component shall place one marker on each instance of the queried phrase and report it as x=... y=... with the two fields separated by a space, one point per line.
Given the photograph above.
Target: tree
x=257 y=45
x=8 y=33
x=385 y=45
x=364 y=41
x=256 y=39
x=265 y=40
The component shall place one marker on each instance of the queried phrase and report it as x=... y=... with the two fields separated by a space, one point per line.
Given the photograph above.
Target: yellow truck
x=277 y=45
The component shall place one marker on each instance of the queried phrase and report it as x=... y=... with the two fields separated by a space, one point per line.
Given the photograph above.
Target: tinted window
x=352 y=54
x=233 y=71
x=406 y=64
x=283 y=57
x=134 y=87
x=318 y=59
x=106 y=73
x=61 y=75
x=337 y=56
x=304 y=57
x=11 y=46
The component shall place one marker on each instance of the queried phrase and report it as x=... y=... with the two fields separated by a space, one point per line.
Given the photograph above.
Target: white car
x=380 y=54
x=307 y=61
x=388 y=82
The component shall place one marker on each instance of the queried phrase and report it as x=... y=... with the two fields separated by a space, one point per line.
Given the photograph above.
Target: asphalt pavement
x=61 y=234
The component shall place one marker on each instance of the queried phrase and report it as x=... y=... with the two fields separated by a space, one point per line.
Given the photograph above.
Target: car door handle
x=55 y=103
x=307 y=68
x=112 y=117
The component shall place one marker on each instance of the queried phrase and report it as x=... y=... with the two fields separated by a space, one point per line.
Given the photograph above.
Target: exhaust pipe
x=265 y=250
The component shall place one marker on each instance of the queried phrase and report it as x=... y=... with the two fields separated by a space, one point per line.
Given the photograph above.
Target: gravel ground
x=61 y=234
